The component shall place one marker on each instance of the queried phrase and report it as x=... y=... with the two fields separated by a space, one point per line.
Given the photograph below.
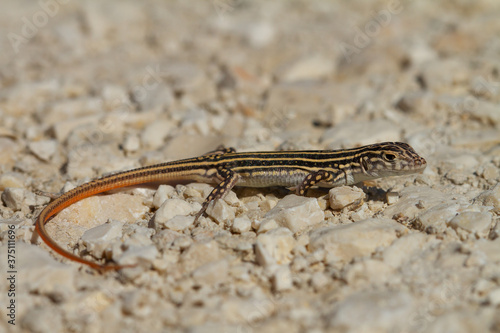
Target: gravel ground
x=89 y=88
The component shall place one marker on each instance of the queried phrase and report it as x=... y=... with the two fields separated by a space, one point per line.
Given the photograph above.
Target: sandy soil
x=89 y=88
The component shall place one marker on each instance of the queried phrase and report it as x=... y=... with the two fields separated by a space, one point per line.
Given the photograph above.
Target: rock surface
x=89 y=88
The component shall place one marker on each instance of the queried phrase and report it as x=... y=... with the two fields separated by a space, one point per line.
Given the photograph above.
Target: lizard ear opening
x=365 y=165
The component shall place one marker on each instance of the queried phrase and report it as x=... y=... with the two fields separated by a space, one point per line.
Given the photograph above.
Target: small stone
x=248 y=310
x=19 y=198
x=457 y=177
x=345 y=242
x=47 y=318
x=310 y=68
x=375 y=271
x=139 y=303
x=494 y=297
x=221 y=212
x=231 y=199
x=391 y=197
x=344 y=196
x=14 y=198
x=262 y=256
x=196 y=120
x=477 y=223
x=8 y=151
x=131 y=144
x=437 y=75
x=138 y=255
x=296 y=213
x=482 y=287
x=350 y=134
x=190 y=80
x=402 y=249
x=319 y=280
x=260 y=34
x=268 y=224
x=138 y=235
x=490 y=249
x=40 y=273
x=490 y=172
x=82 y=160
x=171 y=208
x=199 y=254
x=278 y=243
x=114 y=95
x=97 y=239
x=65 y=109
x=44 y=149
x=476 y=259
x=153 y=136
x=486 y=112
x=213 y=273
x=373 y=311
x=435 y=219
x=490 y=198
x=476 y=139
x=282 y=279
x=163 y=193
x=412 y=198
x=361 y=213
x=241 y=225
x=415 y=102
x=63 y=128
x=11 y=179
x=179 y=222
x=158 y=96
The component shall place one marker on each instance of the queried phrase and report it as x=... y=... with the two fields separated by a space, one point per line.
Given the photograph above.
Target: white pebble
x=221 y=212
x=494 y=297
x=435 y=219
x=212 y=273
x=179 y=222
x=344 y=196
x=43 y=275
x=478 y=223
x=241 y=225
x=391 y=197
x=296 y=213
x=162 y=194
x=131 y=144
x=11 y=179
x=311 y=68
x=262 y=256
x=319 y=280
x=171 y=208
x=43 y=149
x=268 y=224
x=282 y=279
x=153 y=136
x=135 y=254
x=18 y=198
x=348 y=241
x=279 y=244
x=98 y=239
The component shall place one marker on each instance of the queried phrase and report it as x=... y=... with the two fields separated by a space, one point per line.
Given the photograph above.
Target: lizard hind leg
x=229 y=179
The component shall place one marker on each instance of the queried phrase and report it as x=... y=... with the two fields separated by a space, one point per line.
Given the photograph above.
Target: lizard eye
x=389 y=157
